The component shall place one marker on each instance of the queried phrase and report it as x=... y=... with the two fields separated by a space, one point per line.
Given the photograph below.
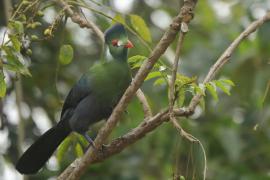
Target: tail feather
x=38 y=153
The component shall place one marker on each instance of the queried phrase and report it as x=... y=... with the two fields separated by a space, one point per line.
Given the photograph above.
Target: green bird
x=90 y=100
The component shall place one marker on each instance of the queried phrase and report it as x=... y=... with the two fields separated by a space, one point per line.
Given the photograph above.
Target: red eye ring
x=115 y=42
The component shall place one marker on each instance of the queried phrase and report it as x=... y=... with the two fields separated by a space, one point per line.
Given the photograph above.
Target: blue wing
x=78 y=92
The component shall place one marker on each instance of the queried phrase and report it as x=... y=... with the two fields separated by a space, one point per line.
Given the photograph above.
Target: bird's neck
x=107 y=56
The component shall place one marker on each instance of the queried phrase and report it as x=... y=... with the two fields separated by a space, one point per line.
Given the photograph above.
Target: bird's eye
x=115 y=42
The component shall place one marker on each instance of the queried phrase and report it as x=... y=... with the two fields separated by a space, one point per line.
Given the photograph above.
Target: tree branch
x=186 y=13
x=82 y=22
x=146 y=108
x=18 y=90
x=174 y=71
x=225 y=57
x=76 y=169
x=145 y=127
x=119 y=144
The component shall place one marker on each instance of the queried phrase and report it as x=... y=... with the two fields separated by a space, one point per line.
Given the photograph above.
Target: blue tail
x=38 y=153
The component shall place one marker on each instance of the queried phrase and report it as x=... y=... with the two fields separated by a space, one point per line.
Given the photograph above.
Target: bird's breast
x=111 y=83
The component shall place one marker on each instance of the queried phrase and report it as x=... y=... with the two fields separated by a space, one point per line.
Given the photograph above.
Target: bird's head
x=117 y=41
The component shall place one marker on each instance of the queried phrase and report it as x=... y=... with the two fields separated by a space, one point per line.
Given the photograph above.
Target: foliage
x=232 y=117
x=66 y=54
x=2 y=85
x=139 y=25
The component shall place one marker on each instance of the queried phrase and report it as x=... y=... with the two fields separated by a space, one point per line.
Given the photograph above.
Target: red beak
x=129 y=44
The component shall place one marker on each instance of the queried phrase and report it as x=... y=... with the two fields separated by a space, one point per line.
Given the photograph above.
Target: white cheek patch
x=108 y=55
x=120 y=43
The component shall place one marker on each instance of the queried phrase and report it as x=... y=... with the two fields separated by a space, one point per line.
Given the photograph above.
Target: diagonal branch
x=144 y=127
x=185 y=13
x=140 y=131
x=225 y=57
x=83 y=22
x=120 y=143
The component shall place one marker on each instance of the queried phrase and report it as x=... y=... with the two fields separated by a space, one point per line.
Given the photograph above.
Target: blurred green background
x=234 y=130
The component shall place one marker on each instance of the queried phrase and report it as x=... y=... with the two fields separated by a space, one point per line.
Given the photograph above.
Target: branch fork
x=76 y=170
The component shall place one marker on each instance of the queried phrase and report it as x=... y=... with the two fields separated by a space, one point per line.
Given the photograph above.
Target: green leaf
x=14 y=61
x=17 y=26
x=227 y=81
x=202 y=103
x=223 y=87
x=66 y=54
x=181 y=97
x=63 y=148
x=19 y=69
x=199 y=89
x=136 y=61
x=140 y=26
x=136 y=65
x=119 y=19
x=137 y=58
x=3 y=86
x=159 y=81
x=34 y=38
x=152 y=75
x=78 y=150
x=16 y=43
x=184 y=80
x=212 y=89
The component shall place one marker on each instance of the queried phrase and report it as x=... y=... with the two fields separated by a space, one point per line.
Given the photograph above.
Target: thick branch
x=166 y=40
x=140 y=131
x=120 y=143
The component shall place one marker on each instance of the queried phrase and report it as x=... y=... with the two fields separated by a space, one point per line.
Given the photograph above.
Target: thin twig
x=18 y=86
x=172 y=95
x=174 y=71
x=181 y=130
x=8 y=14
x=225 y=57
x=76 y=18
x=191 y=138
x=120 y=143
x=115 y=20
x=146 y=108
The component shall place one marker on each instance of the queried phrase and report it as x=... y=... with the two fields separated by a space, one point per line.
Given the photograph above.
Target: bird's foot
x=90 y=141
